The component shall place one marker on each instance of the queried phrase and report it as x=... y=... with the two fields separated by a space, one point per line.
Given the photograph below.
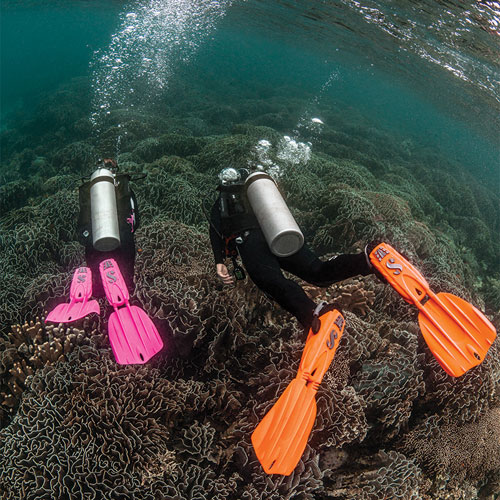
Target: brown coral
x=389 y=385
x=105 y=430
x=459 y=452
x=349 y=295
x=466 y=398
x=29 y=347
x=384 y=475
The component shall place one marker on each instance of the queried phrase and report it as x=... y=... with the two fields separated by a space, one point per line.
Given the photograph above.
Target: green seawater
x=428 y=73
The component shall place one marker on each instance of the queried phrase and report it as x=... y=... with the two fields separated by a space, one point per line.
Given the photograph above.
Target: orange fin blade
x=281 y=437
x=458 y=334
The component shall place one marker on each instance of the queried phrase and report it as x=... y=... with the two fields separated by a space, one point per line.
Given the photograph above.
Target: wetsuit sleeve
x=215 y=234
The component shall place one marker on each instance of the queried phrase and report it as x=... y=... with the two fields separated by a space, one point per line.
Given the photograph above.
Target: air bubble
x=151 y=40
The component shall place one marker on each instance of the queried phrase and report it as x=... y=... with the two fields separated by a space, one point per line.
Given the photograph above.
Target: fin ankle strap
x=322 y=308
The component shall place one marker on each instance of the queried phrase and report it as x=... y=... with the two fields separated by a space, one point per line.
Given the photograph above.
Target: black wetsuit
x=265 y=268
x=128 y=222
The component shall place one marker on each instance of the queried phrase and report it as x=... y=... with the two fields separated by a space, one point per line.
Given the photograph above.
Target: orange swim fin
x=458 y=334
x=281 y=437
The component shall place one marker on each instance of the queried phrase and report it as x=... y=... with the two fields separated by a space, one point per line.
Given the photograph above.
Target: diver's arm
x=218 y=246
x=215 y=234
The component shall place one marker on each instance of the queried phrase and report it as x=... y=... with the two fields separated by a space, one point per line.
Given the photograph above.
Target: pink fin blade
x=79 y=305
x=81 y=285
x=132 y=334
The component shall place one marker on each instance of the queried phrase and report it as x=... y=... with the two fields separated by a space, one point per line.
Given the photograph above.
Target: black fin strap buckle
x=316 y=323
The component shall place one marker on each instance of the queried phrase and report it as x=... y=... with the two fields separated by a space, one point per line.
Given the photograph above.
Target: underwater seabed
x=391 y=423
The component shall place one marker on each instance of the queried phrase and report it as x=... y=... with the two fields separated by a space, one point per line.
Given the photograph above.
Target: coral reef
x=461 y=451
x=390 y=422
x=384 y=475
x=349 y=295
x=124 y=456
x=389 y=385
x=29 y=347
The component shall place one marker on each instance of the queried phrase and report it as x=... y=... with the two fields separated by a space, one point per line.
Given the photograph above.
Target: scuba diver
x=111 y=226
x=250 y=218
x=107 y=223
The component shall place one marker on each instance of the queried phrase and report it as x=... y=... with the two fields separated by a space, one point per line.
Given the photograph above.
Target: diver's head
x=231 y=176
x=108 y=164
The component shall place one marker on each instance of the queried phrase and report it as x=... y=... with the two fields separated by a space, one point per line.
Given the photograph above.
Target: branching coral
x=28 y=348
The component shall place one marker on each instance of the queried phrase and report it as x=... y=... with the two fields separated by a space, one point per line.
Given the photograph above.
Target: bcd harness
x=236 y=219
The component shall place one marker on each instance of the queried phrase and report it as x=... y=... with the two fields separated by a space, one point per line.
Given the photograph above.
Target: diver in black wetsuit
x=235 y=229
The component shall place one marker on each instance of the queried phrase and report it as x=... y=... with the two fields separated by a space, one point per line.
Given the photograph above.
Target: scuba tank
x=109 y=215
x=282 y=233
x=103 y=210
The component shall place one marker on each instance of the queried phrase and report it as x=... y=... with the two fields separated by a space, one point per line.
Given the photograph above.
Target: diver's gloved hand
x=223 y=274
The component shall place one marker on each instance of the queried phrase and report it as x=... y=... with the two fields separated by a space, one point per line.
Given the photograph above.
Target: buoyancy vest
x=236 y=213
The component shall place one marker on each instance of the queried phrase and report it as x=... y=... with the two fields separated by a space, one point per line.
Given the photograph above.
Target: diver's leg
x=264 y=270
x=125 y=258
x=307 y=266
x=93 y=258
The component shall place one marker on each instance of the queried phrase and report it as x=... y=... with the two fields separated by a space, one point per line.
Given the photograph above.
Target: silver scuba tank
x=277 y=223
x=103 y=210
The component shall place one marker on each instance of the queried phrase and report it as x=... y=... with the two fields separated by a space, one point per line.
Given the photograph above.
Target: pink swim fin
x=133 y=336
x=79 y=304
